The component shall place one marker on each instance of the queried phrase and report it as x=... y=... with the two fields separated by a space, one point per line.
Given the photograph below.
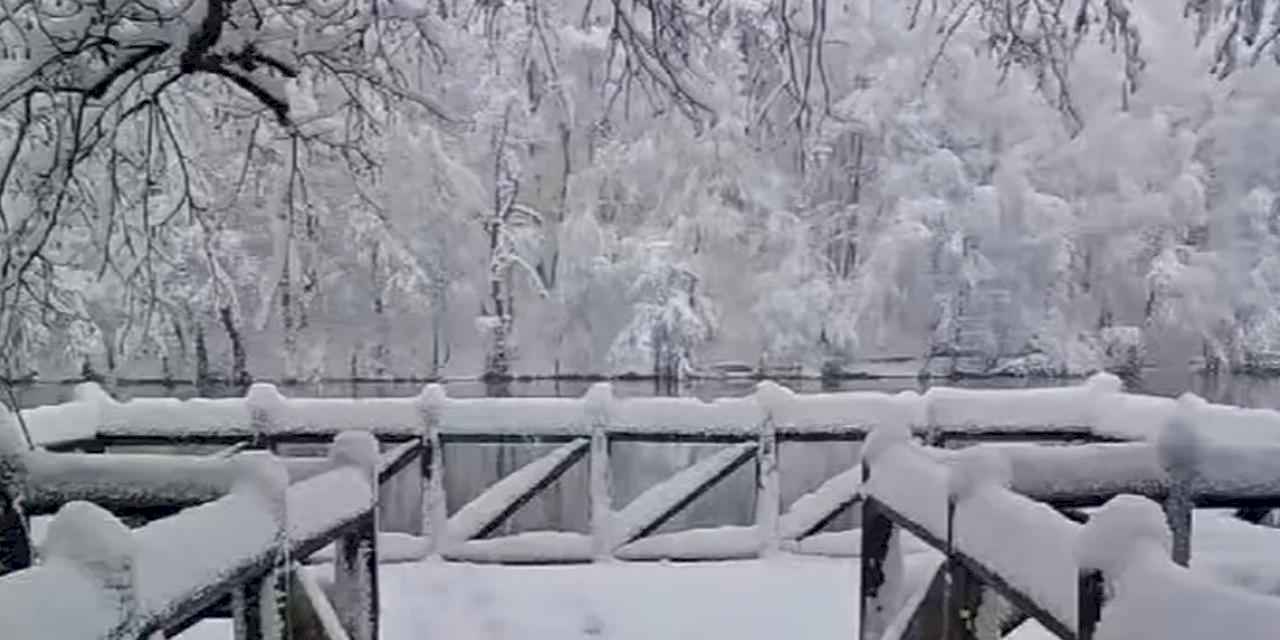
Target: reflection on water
x=1247 y=391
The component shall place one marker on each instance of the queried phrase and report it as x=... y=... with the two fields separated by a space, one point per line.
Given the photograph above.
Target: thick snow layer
x=975 y=468
x=883 y=439
x=55 y=601
x=785 y=597
x=1108 y=541
x=1238 y=470
x=1057 y=472
x=1098 y=406
x=718 y=543
x=1235 y=552
x=56 y=423
x=910 y=482
x=526 y=548
x=92 y=539
x=137 y=480
x=358 y=449
x=864 y=410
x=1154 y=598
x=1035 y=559
x=998 y=409
x=473 y=517
x=656 y=500
x=1131 y=416
x=392 y=547
x=180 y=556
x=173 y=417
x=318 y=504
x=1178 y=445
x=811 y=508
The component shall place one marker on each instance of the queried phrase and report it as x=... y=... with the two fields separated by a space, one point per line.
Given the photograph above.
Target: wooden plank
x=601 y=507
x=484 y=514
x=768 y=488
x=873 y=606
x=925 y=608
x=683 y=437
x=231 y=450
x=661 y=502
x=391 y=462
x=473 y=437
x=311 y=614
x=813 y=511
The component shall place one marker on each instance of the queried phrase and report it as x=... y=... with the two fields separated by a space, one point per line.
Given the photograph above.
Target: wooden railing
x=235 y=555
x=752 y=429
x=1007 y=556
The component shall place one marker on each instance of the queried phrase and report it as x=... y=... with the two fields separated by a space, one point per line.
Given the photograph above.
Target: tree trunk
x=202 y=360
x=239 y=360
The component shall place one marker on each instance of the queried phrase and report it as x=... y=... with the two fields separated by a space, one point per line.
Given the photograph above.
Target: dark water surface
x=1248 y=391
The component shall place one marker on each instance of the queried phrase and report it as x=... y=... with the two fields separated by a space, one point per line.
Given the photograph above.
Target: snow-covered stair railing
x=960 y=505
x=98 y=579
x=1131 y=589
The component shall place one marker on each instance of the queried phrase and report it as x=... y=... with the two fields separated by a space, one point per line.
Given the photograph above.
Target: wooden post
x=1179 y=506
x=1178 y=448
x=601 y=495
x=355 y=579
x=435 y=515
x=963 y=596
x=266 y=413
x=776 y=403
x=1089 y=603
x=768 y=487
x=355 y=565
x=15 y=543
x=259 y=606
x=598 y=400
x=877 y=532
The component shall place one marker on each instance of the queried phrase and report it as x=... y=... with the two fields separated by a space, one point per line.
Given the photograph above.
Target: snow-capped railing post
x=881 y=561
x=1091 y=592
x=259 y=607
x=266 y=413
x=435 y=517
x=773 y=399
x=102 y=550
x=15 y=544
x=598 y=402
x=973 y=611
x=1179 y=447
x=355 y=566
x=93 y=396
x=1106 y=544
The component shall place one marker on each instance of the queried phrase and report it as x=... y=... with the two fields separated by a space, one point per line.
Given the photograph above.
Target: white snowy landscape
x=723 y=319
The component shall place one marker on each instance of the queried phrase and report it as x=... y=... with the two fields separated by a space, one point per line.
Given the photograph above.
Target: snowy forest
x=293 y=190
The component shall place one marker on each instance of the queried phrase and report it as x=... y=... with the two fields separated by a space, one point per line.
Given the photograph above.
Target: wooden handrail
x=161 y=604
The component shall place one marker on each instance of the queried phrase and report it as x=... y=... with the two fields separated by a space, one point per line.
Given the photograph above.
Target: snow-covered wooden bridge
x=1005 y=518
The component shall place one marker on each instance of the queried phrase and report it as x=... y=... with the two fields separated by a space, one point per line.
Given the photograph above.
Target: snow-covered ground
x=786 y=597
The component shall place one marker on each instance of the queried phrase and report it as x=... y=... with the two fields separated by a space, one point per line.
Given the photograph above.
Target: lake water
x=1248 y=391
x=470 y=468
